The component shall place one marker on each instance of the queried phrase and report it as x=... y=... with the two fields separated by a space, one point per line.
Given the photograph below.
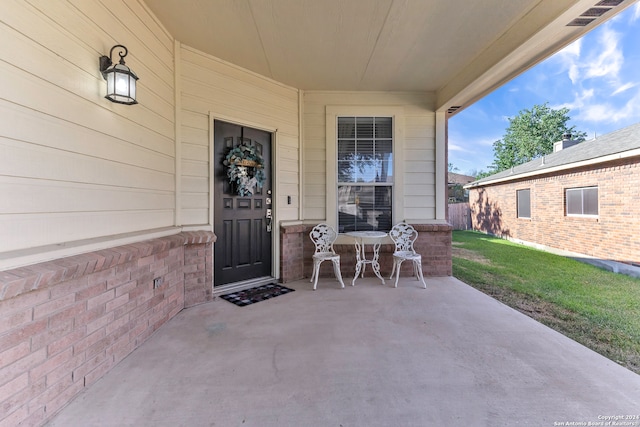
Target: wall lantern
x=121 y=81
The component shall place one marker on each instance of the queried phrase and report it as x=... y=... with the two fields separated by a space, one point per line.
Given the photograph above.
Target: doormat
x=257 y=294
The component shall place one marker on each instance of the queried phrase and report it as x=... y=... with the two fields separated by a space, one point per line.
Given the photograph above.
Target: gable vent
x=453 y=109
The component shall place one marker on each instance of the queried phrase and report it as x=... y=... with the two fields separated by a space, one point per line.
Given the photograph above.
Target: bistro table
x=362 y=238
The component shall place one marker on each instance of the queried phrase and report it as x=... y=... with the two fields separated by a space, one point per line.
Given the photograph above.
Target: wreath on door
x=245 y=169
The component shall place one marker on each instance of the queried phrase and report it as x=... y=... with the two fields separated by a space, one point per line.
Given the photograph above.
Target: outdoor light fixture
x=121 y=81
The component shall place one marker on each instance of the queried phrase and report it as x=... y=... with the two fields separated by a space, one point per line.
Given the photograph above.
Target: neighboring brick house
x=584 y=198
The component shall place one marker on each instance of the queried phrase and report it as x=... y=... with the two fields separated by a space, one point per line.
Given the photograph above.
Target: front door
x=242 y=203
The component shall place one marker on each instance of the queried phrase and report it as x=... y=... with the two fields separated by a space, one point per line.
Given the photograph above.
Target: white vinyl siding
x=212 y=89
x=73 y=165
x=415 y=192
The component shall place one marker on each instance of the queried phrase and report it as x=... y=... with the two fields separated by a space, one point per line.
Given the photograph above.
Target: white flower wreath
x=245 y=168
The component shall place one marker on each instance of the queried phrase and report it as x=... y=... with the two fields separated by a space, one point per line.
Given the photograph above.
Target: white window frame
x=581 y=189
x=331 y=132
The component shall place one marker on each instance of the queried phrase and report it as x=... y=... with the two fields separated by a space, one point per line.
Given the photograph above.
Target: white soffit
x=459 y=49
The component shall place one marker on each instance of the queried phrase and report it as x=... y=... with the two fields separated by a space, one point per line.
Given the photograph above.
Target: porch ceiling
x=459 y=49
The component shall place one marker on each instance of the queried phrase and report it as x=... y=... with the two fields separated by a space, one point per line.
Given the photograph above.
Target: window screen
x=365 y=173
x=582 y=201
x=524 y=203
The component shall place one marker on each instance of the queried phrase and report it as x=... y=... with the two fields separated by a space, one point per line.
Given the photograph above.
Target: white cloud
x=595 y=112
x=609 y=59
x=607 y=112
x=624 y=87
x=487 y=142
x=569 y=58
x=455 y=147
x=468 y=151
x=636 y=12
x=581 y=99
x=573 y=49
x=628 y=112
x=595 y=67
x=591 y=108
x=470 y=145
x=603 y=59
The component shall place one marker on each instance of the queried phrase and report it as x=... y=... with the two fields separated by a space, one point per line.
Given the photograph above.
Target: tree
x=477 y=174
x=531 y=134
x=452 y=168
x=482 y=174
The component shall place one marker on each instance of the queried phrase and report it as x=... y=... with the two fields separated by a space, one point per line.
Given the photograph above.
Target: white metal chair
x=323 y=236
x=403 y=235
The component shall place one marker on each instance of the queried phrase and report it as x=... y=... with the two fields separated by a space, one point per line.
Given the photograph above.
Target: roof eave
x=568 y=166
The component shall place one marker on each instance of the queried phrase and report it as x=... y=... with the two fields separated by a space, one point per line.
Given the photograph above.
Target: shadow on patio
x=368 y=355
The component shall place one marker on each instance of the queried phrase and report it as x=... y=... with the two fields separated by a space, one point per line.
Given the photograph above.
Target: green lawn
x=595 y=307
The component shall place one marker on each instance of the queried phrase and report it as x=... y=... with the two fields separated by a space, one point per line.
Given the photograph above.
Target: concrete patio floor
x=368 y=355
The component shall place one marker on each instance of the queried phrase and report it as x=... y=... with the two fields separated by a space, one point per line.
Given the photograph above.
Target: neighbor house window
x=365 y=173
x=582 y=201
x=524 y=203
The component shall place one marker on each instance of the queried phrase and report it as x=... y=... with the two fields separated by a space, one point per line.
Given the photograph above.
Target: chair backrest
x=403 y=235
x=323 y=236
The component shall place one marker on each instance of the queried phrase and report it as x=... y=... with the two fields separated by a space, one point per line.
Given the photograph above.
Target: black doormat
x=257 y=294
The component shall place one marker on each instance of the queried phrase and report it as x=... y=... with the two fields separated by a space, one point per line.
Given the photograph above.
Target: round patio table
x=362 y=238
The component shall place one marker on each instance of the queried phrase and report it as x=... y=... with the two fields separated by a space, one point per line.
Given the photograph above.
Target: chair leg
x=313 y=274
x=393 y=269
x=336 y=270
x=316 y=273
x=418 y=264
x=399 y=264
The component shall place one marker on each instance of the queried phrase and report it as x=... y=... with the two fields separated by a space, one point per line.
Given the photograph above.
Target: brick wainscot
x=65 y=323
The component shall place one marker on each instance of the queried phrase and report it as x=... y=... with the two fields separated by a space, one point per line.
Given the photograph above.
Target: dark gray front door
x=241 y=223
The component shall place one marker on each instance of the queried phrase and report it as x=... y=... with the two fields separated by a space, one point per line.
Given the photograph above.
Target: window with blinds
x=365 y=173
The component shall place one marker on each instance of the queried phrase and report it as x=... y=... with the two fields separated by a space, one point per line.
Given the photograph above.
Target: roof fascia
x=568 y=166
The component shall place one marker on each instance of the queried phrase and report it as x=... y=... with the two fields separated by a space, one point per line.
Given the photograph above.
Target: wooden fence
x=460 y=216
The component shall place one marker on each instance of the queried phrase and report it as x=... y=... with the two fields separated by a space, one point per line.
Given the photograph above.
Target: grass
x=594 y=307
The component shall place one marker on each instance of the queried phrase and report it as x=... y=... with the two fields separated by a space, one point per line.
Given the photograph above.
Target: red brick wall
x=65 y=323
x=198 y=273
x=292 y=252
x=433 y=243
x=610 y=236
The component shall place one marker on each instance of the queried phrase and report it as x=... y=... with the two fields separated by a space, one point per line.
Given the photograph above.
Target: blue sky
x=597 y=77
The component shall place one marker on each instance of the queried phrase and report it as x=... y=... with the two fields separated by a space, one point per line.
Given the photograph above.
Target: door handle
x=269 y=218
